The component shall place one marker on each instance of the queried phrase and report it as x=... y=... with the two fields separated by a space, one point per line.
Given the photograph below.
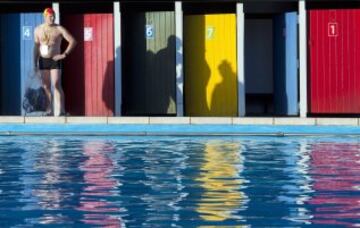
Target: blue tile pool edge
x=174 y=129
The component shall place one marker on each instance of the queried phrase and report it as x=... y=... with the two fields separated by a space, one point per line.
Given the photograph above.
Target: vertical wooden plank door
x=334 y=50
x=285 y=64
x=89 y=71
x=10 y=64
x=210 y=65
x=16 y=61
x=149 y=63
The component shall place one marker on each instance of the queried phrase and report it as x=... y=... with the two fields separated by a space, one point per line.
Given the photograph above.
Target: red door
x=88 y=77
x=334 y=51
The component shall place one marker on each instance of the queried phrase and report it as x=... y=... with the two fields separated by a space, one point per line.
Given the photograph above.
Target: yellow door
x=210 y=65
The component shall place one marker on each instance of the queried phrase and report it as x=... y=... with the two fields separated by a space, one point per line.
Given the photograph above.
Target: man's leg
x=59 y=99
x=45 y=77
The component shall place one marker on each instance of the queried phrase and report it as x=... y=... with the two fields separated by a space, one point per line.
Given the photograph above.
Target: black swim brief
x=49 y=63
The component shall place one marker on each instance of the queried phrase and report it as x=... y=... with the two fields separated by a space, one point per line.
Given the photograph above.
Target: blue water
x=179 y=182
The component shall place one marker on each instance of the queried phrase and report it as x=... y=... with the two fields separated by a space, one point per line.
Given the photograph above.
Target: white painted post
x=55 y=105
x=179 y=59
x=117 y=59
x=302 y=58
x=240 y=25
x=56 y=8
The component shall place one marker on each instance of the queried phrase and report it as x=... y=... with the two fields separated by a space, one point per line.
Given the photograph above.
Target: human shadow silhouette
x=161 y=80
x=196 y=69
x=224 y=96
x=149 y=77
x=89 y=70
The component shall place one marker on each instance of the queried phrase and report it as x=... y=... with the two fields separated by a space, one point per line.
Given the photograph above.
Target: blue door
x=285 y=65
x=16 y=42
x=10 y=68
x=28 y=22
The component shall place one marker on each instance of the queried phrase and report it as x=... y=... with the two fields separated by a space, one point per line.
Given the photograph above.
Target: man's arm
x=70 y=39
x=36 y=49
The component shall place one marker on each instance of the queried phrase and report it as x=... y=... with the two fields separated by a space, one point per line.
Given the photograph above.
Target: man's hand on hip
x=59 y=57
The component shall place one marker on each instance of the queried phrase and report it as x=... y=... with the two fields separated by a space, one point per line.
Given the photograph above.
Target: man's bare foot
x=48 y=113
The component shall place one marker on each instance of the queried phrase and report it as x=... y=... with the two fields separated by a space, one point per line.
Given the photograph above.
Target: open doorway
x=271 y=69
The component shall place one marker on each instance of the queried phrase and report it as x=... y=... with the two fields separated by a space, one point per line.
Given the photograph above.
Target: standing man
x=48 y=59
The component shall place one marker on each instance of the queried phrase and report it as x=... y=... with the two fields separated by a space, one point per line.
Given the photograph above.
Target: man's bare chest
x=49 y=36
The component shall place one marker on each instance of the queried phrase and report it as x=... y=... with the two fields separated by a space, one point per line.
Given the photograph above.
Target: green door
x=149 y=63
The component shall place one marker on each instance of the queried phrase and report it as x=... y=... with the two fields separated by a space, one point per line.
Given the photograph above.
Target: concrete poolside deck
x=181 y=126
x=181 y=120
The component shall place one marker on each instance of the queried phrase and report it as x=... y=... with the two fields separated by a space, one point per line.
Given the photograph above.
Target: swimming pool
x=179 y=181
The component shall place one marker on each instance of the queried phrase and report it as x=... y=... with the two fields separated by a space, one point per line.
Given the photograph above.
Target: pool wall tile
x=128 y=120
x=337 y=121
x=255 y=120
x=294 y=121
x=12 y=119
x=169 y=120
x=45 y=120
x=210 y=120
x=86 y=120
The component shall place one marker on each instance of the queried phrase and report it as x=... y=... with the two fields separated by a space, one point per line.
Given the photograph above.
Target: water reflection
x=278 y=182
x=162 y=182
x=99 y=186
x=47 y=189
x=50 y=183
x=298 y=185
x=221 y=181
x=11 y=184
x=163 y=167
x=335 y=169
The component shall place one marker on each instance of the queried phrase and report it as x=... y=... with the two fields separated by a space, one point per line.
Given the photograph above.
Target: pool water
x=179 y=181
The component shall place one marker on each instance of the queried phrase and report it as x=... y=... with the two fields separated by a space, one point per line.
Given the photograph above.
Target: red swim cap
x=49 y=11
